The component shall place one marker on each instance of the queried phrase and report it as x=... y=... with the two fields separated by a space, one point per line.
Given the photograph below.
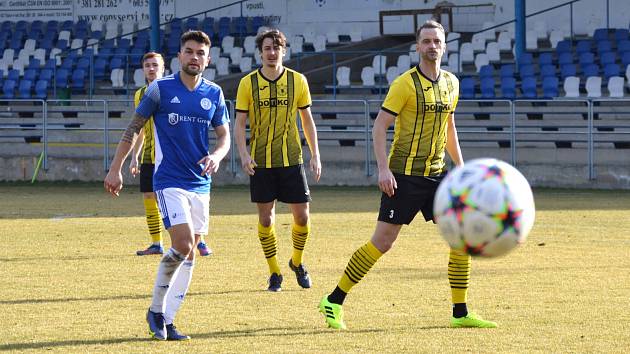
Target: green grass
x=71 y=281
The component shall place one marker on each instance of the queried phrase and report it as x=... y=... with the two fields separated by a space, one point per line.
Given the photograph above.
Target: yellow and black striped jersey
x=272 y=110
x=422 y=108
x=148 y=146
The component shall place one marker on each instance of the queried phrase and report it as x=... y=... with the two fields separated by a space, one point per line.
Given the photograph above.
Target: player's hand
x=113 y=183
x=316 y=167
x=247 y=164
x=133 y=167
x=387 y=182
x=210 y=164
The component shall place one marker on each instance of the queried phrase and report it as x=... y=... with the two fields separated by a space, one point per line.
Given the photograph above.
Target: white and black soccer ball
x=484 y=208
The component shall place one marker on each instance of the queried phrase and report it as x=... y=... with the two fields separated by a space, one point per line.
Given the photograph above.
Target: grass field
x=71 y=281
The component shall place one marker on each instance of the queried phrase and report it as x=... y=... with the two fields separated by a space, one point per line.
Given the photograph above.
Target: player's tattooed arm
x=137 y=122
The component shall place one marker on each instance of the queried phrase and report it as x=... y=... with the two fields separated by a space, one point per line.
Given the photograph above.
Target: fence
x=514 y=130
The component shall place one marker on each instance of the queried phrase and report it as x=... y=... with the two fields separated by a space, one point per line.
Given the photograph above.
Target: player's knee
x=265 y=221
x=301 y=220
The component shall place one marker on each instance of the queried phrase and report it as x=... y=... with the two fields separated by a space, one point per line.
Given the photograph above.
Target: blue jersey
x=182 y=120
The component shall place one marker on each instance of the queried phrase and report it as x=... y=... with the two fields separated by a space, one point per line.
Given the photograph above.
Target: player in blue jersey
x=184 y=106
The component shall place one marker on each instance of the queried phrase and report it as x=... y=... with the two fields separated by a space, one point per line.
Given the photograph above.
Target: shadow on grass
x=120 y=297
x=255 y=332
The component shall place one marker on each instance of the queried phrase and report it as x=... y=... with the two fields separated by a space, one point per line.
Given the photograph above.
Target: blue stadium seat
x=52 y=25
x=506 y=70
x=586 y=58
x=21 y=26
x=240 y=26
x=68 y=63
x=98 y=35
x=545 y=58
x=100 y=64
x=116 y=63
x=621 y=34
x=547 y=71
x=124 y=43
x=607 y=58
x=207 y=25
x=135 y=58
x=582 y=46
x=590 y=70
x=30 y=74
x=508 y=87
x=525 y=59
x=487 y=87
x=611 y=70
x=526 y=71
x=528 y=87
x=46 y=75
x=486 y=71
x=34 y=63
x=41 y=89
x=50 y=64
x=224 y=27
x=176 y=24
x=257 y=22
x=78 y=79
x=62 y=44
x=550 y=87
x=625 y=59
x=623 y=46
x=467 y=88
x=192 y=23
x=37 y=25
x=67 y=25
x=604 y=46
x=24 y=88
x=8 y=88
x=61 y=78
x=83 y=63
x=600 y=34
x=13 y=74
x=567 y=70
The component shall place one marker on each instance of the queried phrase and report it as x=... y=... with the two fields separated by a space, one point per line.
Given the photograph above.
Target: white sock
x=170 y=263
x=178 y=291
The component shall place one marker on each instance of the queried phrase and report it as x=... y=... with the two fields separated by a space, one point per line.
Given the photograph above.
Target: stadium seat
x=319 y=43
x=100 y=64
x=486 y=71
x=379 y=64
x=297 y=44
x=547 y=71
x=621 y=34
x=590 y=70
x=506 y=70
x=210 y=73
x=545 y=58
x=403 y=63
x=508 y=87
x=257 y=22
x=600 y=34
x=555 y=37
x=24 y=88
x=550 y=87
x=175 y=65
x=607 y=58
x=615 y=87
x=478 y=42
x=343 y=76
x=625 y=59
x=493 y=52
x=505 y=41
x=367 y=76
x=604 y=46
x=531 y=40
x=583 y=46
x=453 y=63
x=41 y=89
x=138 y=78
x=611 y=70
x=236 y=53
x=481 y=59
x=567 y=70
x=245 y=64
x=594 y=87
x=356 y=34
x=223 y=66
x=78 y=79
x=586 y=58
x=332 y=36
x=466 y=54
x=564 y=46
x=525 y=59
x=467 y=88
x=452 y=42
x=572 y=86
x=13 y=75
x=526 y=71
x=487 y=87
x=8 y=88
x=528 y=87
x=249 y=46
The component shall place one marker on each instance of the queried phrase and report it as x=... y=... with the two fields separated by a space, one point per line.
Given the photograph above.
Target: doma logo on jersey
x=273 y=102
x=174 y=119
x=437 y=107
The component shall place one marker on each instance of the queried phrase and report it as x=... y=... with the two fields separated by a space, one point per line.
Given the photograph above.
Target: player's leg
x=151 y=211
x=177 y=219
x=199 y=215
x=362 y=260
x=269 y=243
x=458 y=279
x=300 y=232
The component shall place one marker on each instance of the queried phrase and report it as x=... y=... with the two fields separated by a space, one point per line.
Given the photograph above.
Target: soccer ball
x=484 y=208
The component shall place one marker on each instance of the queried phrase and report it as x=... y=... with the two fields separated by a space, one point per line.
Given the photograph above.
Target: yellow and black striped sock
x=299 y=234
x=360 y=263
x=153 y=220
x=459 y=278
x=267 y=237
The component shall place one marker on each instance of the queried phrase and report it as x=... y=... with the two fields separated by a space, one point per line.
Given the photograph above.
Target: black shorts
x=146 y=177
x=414 y=193
x=286 y=184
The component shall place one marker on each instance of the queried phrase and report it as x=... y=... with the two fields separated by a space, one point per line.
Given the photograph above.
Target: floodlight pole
x=154 y=17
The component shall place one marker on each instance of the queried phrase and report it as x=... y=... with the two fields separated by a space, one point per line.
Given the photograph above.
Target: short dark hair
x=197 y=36
x=150 y=55
x=430 y=24
x=276 y=36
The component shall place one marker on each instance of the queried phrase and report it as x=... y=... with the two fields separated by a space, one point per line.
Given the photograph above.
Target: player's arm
x=247 y=164
x=211 y=162
x=452 y=142
x=134 y=166
x=386 y=180
x=113 y=180
x=310 y=133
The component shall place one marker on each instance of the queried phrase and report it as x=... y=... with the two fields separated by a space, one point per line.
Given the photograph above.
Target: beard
x=190 y=71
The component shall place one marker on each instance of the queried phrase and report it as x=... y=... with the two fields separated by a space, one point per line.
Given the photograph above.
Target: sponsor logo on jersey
x=263 y=87
x=175 y=100
x=273 y=102
x=437 y=107
x=205 y=103
x=174 y=119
